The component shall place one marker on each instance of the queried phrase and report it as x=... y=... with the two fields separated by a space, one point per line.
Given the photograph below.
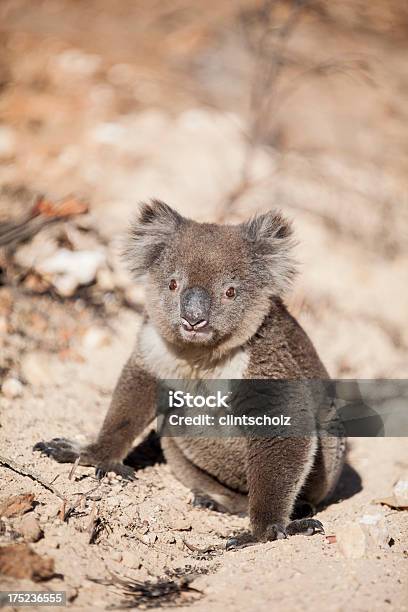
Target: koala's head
x=209 y=284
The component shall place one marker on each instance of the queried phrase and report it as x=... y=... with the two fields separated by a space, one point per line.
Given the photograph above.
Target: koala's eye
x=172 y=285
x=230 y=293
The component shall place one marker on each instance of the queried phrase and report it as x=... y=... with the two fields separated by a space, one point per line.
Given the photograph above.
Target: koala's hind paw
x=60 y=449
x=240 y=541
x=305 y=526
x=127 y=472
x=200 y=500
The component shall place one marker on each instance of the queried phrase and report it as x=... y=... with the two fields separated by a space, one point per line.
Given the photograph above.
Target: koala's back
x=279 y=350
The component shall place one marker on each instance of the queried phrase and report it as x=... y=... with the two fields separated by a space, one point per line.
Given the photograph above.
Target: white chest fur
x=161 y=361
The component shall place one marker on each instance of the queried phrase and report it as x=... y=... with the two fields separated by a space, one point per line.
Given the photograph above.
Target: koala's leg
x=326 y=470
x=207 y=491
x=277 y=469
x=132 y=409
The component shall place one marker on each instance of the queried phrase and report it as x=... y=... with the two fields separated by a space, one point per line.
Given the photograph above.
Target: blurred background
x=222 y=109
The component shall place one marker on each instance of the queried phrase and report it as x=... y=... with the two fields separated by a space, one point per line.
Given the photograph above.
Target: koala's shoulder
x=282 y=349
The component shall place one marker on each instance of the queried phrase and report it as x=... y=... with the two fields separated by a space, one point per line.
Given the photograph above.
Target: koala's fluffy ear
x=271 y=238
x=153 y=228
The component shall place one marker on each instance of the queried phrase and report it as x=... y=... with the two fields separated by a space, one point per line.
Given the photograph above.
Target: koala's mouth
x=197 y=333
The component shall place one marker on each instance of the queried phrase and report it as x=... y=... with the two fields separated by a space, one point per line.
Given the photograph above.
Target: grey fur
x=251 y=335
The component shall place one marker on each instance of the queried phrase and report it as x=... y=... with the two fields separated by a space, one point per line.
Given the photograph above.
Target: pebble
x=116 y=555
x=181 y=524
x=148 y=538
x=30 y=529
x=131 y=559
x=375 y=530
x=351 y=540
x=12 y=388
x=69 y=269
x=112 y=502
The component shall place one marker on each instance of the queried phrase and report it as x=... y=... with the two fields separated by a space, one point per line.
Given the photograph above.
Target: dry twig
x=20 y=469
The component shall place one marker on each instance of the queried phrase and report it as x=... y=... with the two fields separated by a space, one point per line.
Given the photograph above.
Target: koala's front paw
x=60 y=449
x=127 y=472
x=275 y=531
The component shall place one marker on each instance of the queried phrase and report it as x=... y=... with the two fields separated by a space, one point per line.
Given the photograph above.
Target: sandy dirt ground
x=120 y=103
x=147 y=523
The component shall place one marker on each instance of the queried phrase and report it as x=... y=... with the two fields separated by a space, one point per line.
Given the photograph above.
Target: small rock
x=168 y=538
x=144 y=527
x=69 y=269
x=12 y=388
x=35 y=369
x=116 y=555
x=112 y=502
x=16 y=505
x=7 y=142
x=131 y=559
x=401 y=491
x=148 y=538
x=65 y=285
x=351 y=540
x=20 y=561
x=51 y=511
x=96 y=337
x=181 y=524
x=375 y=530
x=30 y=529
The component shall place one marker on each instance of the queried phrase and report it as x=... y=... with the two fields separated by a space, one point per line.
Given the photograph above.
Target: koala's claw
x=273 y=532
x=59 y=449
x=305 y=526
x=127 y=472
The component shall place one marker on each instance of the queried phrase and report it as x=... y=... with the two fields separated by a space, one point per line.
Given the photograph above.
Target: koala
x=215 y=310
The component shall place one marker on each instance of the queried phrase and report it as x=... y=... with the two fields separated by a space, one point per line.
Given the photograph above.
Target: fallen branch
x=41 y=214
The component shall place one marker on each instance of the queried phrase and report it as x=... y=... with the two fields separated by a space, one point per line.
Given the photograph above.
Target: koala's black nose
x=195 y=304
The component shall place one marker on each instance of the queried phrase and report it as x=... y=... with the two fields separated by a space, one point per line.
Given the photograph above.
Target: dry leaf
x=17 y=505
x=20 y=561
x=64 y=208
